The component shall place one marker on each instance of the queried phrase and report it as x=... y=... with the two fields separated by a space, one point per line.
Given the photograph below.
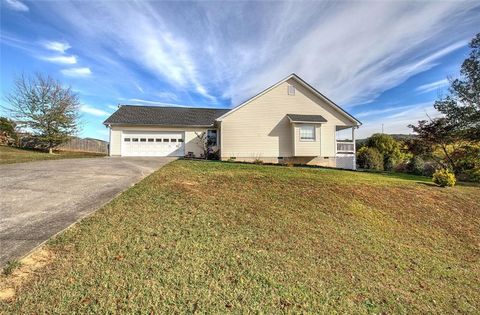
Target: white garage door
x=152 y=143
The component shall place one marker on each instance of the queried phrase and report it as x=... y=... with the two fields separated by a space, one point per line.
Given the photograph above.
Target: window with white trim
x=307 y=133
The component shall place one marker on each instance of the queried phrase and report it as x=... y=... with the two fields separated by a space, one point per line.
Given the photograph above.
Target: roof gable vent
x=291 y=90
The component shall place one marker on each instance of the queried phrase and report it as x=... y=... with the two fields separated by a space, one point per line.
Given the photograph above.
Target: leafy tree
x=45 y=108
x=449 y=139
x=461 y=106
x=369 y=158
x=388 y=147
x=8 y=131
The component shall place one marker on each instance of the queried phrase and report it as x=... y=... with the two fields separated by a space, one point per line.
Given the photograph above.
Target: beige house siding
x=192 y=143
x=306 y=148
x=260 y=129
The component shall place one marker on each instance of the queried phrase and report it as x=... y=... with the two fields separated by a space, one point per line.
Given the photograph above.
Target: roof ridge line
x=173 y=106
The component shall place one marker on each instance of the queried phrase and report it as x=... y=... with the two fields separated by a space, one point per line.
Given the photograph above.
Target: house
x=289 y=122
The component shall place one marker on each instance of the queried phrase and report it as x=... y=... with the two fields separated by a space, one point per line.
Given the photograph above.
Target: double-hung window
x=307 y=133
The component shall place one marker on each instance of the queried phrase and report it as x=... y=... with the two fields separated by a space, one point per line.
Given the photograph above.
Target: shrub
x=369 y=158
x=429 y=168
x=389 y=163
x=257 y=161
x=416 y=165
x=401 y=167
x=388 y=147
x=213 y=154
x=444 y=178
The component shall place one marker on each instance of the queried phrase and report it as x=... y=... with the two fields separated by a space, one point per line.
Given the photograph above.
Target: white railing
x=345 y=147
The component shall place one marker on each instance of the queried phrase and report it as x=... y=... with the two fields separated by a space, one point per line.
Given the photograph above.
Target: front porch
x=345 y=147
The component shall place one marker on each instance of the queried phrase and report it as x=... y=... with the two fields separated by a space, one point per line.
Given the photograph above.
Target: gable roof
x=306 y=85
x=164 y=115
x=306 y=118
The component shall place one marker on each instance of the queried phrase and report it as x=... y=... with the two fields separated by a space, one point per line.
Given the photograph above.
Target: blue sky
x=384 y=62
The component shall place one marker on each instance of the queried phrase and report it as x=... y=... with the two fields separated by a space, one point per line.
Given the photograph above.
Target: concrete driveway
x=40 y=199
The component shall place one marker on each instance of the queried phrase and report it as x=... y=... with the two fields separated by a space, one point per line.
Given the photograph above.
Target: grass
x=9 y=155
x=10 y=267
x=214 y=237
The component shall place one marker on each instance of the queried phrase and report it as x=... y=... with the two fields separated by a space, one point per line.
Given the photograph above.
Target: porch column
x=354 y=149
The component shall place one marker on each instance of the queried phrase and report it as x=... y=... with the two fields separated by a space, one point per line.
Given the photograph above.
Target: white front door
x=153 y=143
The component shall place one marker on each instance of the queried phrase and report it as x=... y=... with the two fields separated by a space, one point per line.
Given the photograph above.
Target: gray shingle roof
x=306 y=118
x=162 y=115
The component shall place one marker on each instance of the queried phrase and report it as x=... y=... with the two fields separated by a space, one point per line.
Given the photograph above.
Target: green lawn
x=214 y=237
x=9 y=155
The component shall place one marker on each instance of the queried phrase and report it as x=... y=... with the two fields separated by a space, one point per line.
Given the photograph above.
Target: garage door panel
x=151 y=143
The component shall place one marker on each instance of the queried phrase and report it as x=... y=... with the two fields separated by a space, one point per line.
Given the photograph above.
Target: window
x=143 y=140
x=126 y=139
x=158 y=140
x=211 y=138
x=173 y=140
x=307 y=133
x=151 y=139
x=291 y=90
x=135 y=139
x=180 y=140
x=166 y=140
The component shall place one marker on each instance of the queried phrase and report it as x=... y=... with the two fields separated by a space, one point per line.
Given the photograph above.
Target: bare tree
x=45 y=108
x=202 y=143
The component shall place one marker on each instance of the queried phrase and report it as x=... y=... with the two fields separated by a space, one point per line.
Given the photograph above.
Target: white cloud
x=17 y=5
x=167 y=96
x=150 y=102
x=60 y=47
x=398 y=122
x=113 y=107
x=93 y=111
x=69 y=60
x=376 y=112
x=77 y=72
x=432 y=86
x=350 y=51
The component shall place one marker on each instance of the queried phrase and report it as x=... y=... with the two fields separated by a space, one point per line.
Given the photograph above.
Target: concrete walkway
x=40 y=199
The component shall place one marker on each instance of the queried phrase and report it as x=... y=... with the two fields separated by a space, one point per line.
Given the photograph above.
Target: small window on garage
x=126 y=139
x=180 y=140
x=158 y=140
x=173 y=140
x=151 y=139
x=166 y=140
x=135 y=139
x=143 y=139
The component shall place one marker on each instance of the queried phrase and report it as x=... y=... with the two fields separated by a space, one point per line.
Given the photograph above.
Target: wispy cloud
x=432 y=86
x=77 y=72
x=398 y=122
x=17 y=5
x=69 y=60
x=151 y=102
x=60 y=47
x=376 y=112
x=93 y=111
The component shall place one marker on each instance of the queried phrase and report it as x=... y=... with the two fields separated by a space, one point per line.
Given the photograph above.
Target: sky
x=384 y=62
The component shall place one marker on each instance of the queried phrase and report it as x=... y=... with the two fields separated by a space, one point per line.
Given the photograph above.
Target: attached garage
x=138 y=143
x=161 y=131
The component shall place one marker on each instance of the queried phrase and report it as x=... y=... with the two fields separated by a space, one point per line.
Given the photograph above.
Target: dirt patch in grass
x=27 y=268
x=218 y=237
